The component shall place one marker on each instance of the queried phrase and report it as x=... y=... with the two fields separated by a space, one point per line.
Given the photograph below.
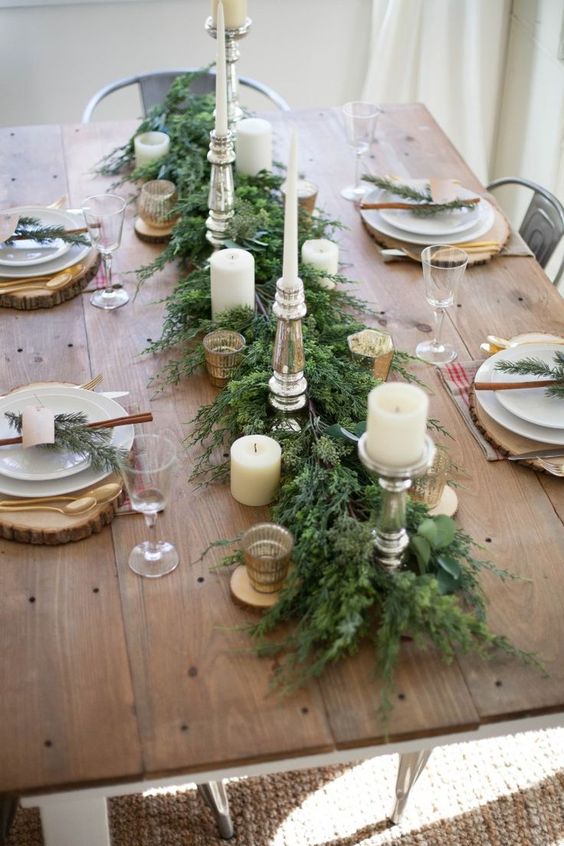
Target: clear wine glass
x=443 y=268
x=148 y=474
x=360 y=122
x=104 y=215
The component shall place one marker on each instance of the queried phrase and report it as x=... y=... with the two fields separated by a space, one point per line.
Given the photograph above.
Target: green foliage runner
x=335 y=595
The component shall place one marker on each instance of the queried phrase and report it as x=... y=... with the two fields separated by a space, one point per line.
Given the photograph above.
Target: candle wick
x=398 y=409
x=255 y=446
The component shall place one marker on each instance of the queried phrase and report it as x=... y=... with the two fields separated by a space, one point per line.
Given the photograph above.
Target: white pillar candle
x=150 y=146
x=235 y=12
x=254 y=146
x=221 y=127
x=255 y=469
x=397 y=423
x=232 y=276
x=290 y=260
x=323 y=255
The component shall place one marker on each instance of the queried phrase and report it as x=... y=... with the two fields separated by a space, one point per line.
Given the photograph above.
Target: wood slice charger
x=80 y=275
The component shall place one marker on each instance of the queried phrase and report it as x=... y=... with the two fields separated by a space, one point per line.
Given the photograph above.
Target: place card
x=38 y=425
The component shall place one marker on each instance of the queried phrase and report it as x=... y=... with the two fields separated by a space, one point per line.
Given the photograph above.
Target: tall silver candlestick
x=221 y=198
x=232 y=54
x=390 y=535
x=288 y=384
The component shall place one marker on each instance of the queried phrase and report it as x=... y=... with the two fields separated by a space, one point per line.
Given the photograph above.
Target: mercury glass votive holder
x=429 y=487
x=267 y=550
x=223 y=350
x=373 y=348
x=157 y=203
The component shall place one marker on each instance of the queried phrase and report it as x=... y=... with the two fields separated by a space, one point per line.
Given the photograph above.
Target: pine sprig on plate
x=72 y=435
x=407 y=192
x=536 y=367
x=31 y=227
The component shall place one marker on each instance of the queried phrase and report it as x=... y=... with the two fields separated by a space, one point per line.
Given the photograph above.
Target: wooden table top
x=107 y=677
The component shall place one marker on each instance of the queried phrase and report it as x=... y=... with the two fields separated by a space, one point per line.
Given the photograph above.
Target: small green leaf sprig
x=32 y=228
x=532 y=366
x=407 y=192
x=72 y=435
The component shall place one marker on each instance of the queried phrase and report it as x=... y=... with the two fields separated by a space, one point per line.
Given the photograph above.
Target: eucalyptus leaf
x=428 y=529
x=446 y=582
x=450 y=565
x=422 y=549
x=446 y=530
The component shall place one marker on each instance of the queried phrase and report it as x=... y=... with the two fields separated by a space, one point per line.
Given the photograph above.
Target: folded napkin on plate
x=457 y=379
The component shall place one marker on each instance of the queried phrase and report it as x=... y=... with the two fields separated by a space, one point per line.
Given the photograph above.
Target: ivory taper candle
x=232 y=277
x=396 y=424
x=221 y=126
x=150 y=146
x=255 y=469
x=323 y=255
x=235 y=12
x=290 y=259
x=254 y=146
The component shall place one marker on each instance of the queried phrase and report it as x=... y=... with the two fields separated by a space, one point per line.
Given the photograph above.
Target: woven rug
x=507 y=792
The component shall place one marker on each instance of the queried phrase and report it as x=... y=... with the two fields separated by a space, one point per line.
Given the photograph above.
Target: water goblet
x=360 y=121
x=443 y=268
x=104 y=215
x=148 y=473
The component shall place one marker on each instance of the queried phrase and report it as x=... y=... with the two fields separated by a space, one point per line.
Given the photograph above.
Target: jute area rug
x=507 y=792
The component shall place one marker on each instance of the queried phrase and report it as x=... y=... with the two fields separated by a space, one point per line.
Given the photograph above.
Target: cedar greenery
x=31 y=228
x=72 y=435
x=537 y=367
x=392 y=186
x=335 y=595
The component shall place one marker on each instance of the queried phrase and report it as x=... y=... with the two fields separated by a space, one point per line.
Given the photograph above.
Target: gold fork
x=92 y=383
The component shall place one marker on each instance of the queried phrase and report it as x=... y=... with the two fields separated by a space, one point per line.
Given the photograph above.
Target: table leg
x=215 y=794
x=411 y=765
x=8 y=808
x=75 y=821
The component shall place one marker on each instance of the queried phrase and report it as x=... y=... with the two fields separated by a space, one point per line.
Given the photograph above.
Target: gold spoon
x=101 y=494
x=48 y=281
x=52 y=285
x=72 y=509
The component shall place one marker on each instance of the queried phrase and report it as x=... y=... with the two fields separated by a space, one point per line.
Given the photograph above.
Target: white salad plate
x=26 y=253
x=74 y=254
x=531 y=404
x=489 y=401
x=36 y=471
x=373 y=217
x=439 y=223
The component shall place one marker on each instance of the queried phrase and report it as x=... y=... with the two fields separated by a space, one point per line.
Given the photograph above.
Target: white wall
x=54 y=57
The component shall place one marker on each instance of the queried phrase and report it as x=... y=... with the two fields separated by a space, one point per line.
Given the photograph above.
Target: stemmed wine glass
x=148 y=474
x=443 y=268
x=360 y=121
x=104 y=215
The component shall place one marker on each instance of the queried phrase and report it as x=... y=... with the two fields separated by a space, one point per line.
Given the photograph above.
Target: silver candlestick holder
x=390 y=535
x=221 y=198
x=288 y=385
x=232 y=54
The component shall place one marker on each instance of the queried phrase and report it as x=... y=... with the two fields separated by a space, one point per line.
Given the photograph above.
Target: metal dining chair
x=153 y=88
x=543 y=224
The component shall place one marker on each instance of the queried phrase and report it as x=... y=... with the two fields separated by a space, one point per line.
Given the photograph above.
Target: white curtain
x=449 y=55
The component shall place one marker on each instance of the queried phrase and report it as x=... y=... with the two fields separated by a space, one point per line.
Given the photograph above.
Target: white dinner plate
x=441 y=223
x=531 y=404
x=374 y=218
x=74 y=254
x=36 y=467
x=489 y=401
x=27 y=253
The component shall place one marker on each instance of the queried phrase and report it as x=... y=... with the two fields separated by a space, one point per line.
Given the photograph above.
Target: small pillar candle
x=323 y=255
x=232 y=277
x=255 y=469
x=254 y=146
x=150 y=146
x=396 y=424
x=235 y=12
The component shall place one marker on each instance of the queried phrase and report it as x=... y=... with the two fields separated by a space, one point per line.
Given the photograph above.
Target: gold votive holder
x=157 y=203
x=307 y=194
x=223 y=350
x=374 y=349
x=429 y=488
x=267 y=549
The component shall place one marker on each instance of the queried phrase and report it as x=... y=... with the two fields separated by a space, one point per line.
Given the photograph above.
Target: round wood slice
x=244 y=593
x=508 y=443
x=152 y=234
x=51 y=528
x=30 y=300
x=448 y=503
x=499 y=231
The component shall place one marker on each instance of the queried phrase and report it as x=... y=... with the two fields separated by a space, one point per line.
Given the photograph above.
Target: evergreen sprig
x=72 y=435
x=422 y=195
x=32 y=228
x=532 y=366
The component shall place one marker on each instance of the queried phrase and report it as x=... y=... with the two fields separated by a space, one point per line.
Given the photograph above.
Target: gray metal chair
x=153 y=88
x=543 y=224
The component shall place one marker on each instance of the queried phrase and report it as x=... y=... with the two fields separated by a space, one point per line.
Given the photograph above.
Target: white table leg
x=75 y=822
x=411 y=765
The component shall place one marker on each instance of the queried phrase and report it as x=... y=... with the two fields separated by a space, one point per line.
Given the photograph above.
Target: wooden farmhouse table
x=110 y=683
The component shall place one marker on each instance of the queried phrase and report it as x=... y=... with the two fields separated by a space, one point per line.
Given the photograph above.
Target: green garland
x=335 y=595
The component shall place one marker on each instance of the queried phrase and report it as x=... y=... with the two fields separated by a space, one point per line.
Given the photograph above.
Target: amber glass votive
x=267 y=549
x=429 y=487
x=157 y=203
x=223 y=350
